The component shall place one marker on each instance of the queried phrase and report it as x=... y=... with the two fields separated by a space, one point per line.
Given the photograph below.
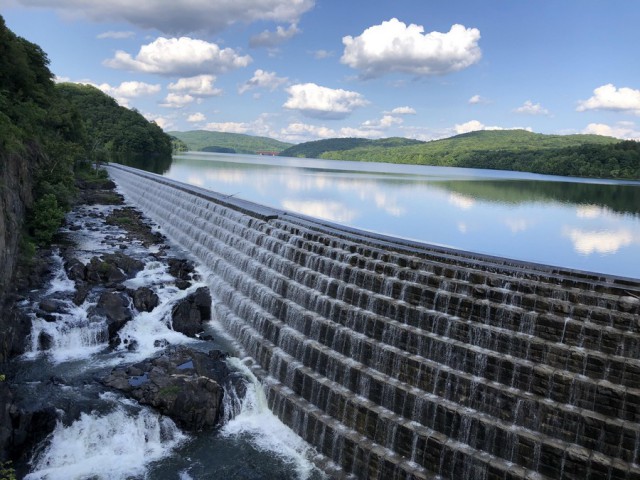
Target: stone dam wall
x=400 y=360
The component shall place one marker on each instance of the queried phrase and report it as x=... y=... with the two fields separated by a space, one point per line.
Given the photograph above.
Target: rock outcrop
x=190 y=313
x=184 y=384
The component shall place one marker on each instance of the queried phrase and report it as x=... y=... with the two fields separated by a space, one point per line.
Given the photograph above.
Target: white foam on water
x=115 y=446
x=153 y=273
x=150 y=331
x=73 y=335
x=264 y=430
x=60 y=281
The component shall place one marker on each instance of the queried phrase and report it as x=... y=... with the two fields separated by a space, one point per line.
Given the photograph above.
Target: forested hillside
x=206 y=141
x=318 y=148
x=519 y=150
x=117 y=133
x=49 y=134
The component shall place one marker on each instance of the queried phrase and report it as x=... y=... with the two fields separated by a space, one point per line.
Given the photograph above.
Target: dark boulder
x=99 y=271
x=51 y=305
x=183 y=384
x=189 y=314
x=144 y=299
x=115 y=307
x=82 y=290
x=45 y=341
x=112 y=268
x=180 y=268
x=127 y=264
x=76 y=270
x=20 y=428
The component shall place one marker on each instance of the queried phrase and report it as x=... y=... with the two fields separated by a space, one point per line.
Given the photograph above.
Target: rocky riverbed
x=110 y=291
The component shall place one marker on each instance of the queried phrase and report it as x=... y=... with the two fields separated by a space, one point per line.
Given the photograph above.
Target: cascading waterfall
x=117 y=445
x=71 y=334
x=106 y=436
x=401 y=360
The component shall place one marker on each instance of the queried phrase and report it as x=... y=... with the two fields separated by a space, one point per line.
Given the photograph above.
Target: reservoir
x=584 y=224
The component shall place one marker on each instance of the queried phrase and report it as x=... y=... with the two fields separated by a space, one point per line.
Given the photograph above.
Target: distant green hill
x=318 y=148
x=204 y=140
x=519 y=150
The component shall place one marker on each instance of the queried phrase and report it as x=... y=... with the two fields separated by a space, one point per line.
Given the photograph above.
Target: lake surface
x=584 y=224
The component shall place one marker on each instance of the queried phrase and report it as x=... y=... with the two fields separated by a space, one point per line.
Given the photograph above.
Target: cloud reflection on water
x=605 y=242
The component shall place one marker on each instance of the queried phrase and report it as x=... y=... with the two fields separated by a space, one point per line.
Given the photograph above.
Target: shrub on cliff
x=46 y=218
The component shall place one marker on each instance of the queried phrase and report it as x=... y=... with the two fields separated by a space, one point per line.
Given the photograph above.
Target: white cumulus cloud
x=126 y=90
x=273 y=39
x=181 y=16
x=477 y=99
x=175 y=100
x=263 y=79
x=622 y=130
x=196 y=117
x=179 y=56
x=230 y=127
x=403 y=111
x=609 y=97
x=530 y=108
x=163 y=122
x=394 y=46
x=321 y=102
x=385 y=122
x=198 y=86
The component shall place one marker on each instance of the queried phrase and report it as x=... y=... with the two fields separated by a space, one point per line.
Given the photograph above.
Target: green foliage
x=177 y=145
x=318 y=148
x=46 y=217
x=203 y=140
x=39 y=129
x=7 y=472
x=520 y=150
x=219 y=150
x=117 y=133
x=169 y=391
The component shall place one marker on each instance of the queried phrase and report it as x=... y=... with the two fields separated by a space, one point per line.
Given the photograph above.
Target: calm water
x=584 y=224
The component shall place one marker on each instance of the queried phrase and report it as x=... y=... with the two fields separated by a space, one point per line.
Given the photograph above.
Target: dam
x=402 y=360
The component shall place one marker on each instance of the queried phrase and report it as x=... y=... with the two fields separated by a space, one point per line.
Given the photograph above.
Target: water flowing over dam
x=400 y=360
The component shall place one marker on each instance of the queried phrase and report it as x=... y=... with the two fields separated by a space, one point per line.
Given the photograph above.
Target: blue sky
x=300 y=70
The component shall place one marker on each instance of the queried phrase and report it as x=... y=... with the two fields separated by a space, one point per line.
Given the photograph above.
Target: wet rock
x=50 y=305
x=115 y=307
x=189 y=314
x=113 y=268
x=160 y=343
x=183 y=384
x=21 y=429
x=183 y=284
x=45 y=341
x=99 y=271
x=80 y=295
x=180 y=268
x=145 y=299
x=75 y=269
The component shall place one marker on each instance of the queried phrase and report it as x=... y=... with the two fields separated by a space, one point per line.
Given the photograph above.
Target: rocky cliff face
x=15 y=198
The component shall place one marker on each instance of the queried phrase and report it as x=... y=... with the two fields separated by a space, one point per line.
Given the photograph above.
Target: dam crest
x=402 y=360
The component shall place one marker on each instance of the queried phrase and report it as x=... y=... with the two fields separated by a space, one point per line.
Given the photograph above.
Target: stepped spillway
x=402 y=360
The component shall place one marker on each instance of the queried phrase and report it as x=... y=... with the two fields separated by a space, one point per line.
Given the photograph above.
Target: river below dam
x=573 y=223
x=584 y=224
x=101 y=434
